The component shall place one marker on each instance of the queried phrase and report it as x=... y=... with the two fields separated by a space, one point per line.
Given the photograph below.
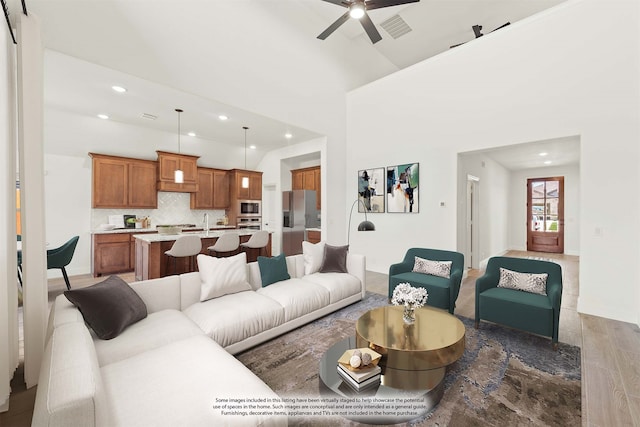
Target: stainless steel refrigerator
x=299 y=213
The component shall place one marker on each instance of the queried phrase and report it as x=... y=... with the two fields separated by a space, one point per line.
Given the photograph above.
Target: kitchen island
x=152 y=263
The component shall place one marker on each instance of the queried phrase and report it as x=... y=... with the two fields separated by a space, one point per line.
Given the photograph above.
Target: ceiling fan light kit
x=357 y=9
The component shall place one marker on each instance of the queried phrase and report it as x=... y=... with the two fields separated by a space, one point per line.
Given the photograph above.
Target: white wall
x=541 y=78
x=518 y=206
x=8 y=278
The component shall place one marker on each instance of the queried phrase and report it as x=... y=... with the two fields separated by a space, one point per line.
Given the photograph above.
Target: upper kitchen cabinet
x=121 y=182
x=168 y=163
x=213 y=190
x=252 y=192
x=308 y=179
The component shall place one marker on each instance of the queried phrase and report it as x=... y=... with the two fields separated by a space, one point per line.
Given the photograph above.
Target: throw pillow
x=222 y=276
x=313 y=255
x=335 y=259
x=108 y=307
x=434 y=268
x=273 y=269
x=535 y=283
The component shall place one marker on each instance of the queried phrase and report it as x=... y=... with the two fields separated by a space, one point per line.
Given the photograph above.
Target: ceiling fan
x=477 y=30
x=357 y=9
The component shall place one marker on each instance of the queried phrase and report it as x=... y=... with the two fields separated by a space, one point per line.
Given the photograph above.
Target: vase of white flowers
x=410 y=298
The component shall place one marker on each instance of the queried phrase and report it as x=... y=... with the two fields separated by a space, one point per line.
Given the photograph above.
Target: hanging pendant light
x=245 y=179
x=178 y=175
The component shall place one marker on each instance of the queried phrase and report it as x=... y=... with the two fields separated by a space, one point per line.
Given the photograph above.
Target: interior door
x=545 y=214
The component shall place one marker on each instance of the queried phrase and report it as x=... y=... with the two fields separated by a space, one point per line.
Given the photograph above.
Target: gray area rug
x=505 y=377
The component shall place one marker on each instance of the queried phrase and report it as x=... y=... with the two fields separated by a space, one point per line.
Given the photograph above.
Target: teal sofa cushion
x=273 y=269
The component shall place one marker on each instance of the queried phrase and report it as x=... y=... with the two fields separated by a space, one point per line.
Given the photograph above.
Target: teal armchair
x=443 y=292
x=522 y=310
x=61 y=257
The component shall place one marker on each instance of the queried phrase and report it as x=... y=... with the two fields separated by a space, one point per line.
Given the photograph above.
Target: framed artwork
x=403 y=192
x=371 y=190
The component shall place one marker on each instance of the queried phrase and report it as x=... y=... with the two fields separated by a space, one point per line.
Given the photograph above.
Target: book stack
x=361 y=379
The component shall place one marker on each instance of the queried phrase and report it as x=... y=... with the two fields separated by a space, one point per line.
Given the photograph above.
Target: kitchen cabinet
x=213 y=190
x=313 y=236
x=308 y=179
x=254 y=192
x=168 y=163
x=121 y=182
x=113 y=253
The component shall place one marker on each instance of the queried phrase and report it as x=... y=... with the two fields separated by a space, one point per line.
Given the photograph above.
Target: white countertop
x=314 y=229
x=154 y=230
x=157 y=237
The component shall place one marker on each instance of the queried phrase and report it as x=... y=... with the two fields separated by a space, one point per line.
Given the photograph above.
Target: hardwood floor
x=610 y=349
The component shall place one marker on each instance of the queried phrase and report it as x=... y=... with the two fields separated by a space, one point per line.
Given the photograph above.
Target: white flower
x=407 y=295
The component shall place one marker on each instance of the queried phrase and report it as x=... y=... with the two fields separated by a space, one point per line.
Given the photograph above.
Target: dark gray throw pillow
x=108 y=307
x=335 y=259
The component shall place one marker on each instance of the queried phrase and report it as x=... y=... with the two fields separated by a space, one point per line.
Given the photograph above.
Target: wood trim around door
x=545 y=214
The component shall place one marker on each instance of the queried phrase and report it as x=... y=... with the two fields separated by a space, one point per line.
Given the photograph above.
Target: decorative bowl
x=106 y=227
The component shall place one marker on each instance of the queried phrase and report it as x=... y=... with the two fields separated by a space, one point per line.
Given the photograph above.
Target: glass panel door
x=545 y=231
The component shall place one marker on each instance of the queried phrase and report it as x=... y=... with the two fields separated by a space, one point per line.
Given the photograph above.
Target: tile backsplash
x=173 y=208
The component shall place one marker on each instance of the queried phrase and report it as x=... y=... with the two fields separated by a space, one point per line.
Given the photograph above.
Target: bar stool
x=258 y=240
x=184 y=246
x=227 y=243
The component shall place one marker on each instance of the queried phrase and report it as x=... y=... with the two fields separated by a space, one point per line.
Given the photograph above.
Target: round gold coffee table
x=414 y=356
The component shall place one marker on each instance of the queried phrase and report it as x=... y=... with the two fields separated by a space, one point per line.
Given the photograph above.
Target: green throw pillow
x=273 y=269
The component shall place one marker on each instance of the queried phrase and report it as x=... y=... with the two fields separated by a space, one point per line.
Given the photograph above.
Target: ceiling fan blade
x=339 y=2
x=368 y=26
x=378 y=4
x=502 y=26
x=326 y=33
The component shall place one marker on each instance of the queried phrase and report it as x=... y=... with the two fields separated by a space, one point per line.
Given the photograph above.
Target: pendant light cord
x=245 y=146
x=178 y=110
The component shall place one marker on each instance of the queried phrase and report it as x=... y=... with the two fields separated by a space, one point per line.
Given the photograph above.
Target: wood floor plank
x=629 y=367
x=597 y=350
x=634 y=406
x=606 y=398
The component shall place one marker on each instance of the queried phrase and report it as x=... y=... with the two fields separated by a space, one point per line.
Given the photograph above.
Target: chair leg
x=66 y=278
x=555 y=346
x=477 y=324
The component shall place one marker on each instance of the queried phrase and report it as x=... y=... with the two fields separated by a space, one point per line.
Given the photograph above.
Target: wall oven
x=249 y=223
x=249 y=208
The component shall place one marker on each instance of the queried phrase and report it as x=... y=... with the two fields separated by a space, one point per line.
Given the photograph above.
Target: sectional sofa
x=171 y=367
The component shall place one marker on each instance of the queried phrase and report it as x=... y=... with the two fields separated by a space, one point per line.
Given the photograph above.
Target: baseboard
x=596 y=308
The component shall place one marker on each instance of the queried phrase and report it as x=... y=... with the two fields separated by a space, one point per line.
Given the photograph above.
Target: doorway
x=545 y=214
x=472 y=245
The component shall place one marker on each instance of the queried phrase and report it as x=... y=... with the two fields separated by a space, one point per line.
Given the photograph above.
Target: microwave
x=249 y=208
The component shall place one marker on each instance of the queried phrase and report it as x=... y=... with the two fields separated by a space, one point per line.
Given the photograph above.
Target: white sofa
x=169 y=368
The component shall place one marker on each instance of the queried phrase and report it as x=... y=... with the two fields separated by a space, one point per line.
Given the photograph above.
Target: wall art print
x=371 y=190
x=403 y=192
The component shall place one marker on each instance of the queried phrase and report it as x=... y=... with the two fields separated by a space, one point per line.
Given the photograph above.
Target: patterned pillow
x=528 y=282
x=434 y=268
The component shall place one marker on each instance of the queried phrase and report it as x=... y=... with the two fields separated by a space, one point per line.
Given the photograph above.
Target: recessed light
x=222 y=117
x=288 y=135
x=119 y=89
x=548 y=162
x=103 y=116
x=542 y=154
x=253 y=147
x=191 y=134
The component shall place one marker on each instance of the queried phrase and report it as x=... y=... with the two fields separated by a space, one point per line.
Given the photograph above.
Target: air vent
x=149 y=116
x=396 y=26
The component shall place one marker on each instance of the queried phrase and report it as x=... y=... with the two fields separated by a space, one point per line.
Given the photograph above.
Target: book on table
x=347 y=378
x=360 y=375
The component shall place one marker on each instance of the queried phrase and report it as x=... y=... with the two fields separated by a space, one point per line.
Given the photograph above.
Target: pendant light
x=245 y=179
x=178 y=175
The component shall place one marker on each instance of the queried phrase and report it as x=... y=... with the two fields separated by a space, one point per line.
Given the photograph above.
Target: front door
x=545 y=214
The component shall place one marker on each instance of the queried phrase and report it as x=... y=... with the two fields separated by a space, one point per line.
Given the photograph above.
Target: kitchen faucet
x=206 y=223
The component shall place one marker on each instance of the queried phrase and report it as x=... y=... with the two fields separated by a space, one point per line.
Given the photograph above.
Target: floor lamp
x=365 y=225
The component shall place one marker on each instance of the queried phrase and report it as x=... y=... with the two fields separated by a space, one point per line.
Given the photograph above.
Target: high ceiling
x=211 y=57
